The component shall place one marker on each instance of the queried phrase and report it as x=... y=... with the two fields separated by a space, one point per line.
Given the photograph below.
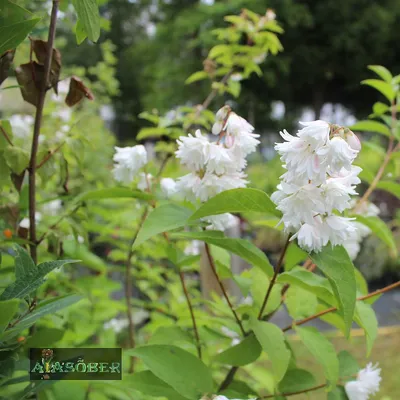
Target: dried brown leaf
x=77 y=91
x=30 y=77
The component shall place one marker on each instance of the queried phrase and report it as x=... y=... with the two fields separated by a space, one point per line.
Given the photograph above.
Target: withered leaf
x=77 y=91
x=30 y=77
x=5 y=62
x=18 y=179
x=40 y=49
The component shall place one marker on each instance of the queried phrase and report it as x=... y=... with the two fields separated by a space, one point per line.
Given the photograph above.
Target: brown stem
x=382 y=168
x=272 y=282
x=271 y=396
x=214 y=92
x=128 y=290
x=49 y=155
x=6 y=136
x=196 y=332
x=328 y=310
x=212 y=264
x=36 y=131
x=228 y=379
x=156 y=309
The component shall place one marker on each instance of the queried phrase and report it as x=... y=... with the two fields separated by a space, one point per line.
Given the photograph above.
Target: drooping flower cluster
x=318 y=184
x=128 y=161
x=367 y=383
x=216 y=166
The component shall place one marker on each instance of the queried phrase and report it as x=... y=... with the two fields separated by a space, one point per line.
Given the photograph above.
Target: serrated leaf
x=381 y=230
x=365 y=317
x=382 y=87
x=183 y=371
x=246 y=352
x=148 y=383
x=382 y=72
x=162 y=219
x=296 y=380
x=88 y=14
x=294 y=255
x=272 y=340
x=371 y=126
x=322 y=350
x=235 y=201
x=113 y=193
x=241 y=247
x=335 y=263
x=300 y=302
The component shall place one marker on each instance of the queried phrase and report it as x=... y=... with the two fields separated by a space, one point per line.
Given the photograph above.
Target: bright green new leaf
x=272 y=340
x=162 y=219
x=235 y=201
x=380 y=229
x=80 y=32
x=335 y=263
x=241 y=247
x=296 y=380
x=385 y=88
x=390 y=187
x=88 y=14
x=348 y=365
x=294 y=255
x=8 y=309
x=246 y=352
x=17 y=158
x=113 y=193
x=183 y=371
x=365 y=317
x=322 y=350
x=6 y=130
x=197 y=76
x=300 y=302
x=382 y=72
x=371 y=126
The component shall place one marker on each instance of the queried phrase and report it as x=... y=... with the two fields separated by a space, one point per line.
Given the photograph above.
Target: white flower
x=367 y=383
x=312 y=237
x=237 y=126
x=144 y=181
x=21 y=125
x=168 y=186
x=353 y=141
x=221 y=222
x=128 y=161
x=53 y=207
x=192 y=150
x=336 y=195
x=193 y=249
x=25 y=223
x=339 y=229
x=117 y=325
x=340 y=154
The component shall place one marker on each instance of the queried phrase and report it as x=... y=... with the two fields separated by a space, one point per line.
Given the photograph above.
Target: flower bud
x=353 y=141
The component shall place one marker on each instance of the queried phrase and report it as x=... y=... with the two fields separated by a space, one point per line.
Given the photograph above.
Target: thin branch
x=273 y=280
x=214 y=93
x=196 y=332
x=6 y=136
x=228 y=379
x=128 y=289
x=212 y=264
x=49 y=155
x=155 y=309
x=329 y=310
x=271 y=396
x=36 y=131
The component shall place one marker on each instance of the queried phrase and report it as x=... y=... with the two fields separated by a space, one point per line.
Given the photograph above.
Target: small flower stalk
x=318 y=184
x=216 y=166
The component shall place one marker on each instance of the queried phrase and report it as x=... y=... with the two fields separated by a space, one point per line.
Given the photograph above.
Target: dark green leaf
x=296 y=380
x=348 y=365
x=113 y=193
x=8 y=309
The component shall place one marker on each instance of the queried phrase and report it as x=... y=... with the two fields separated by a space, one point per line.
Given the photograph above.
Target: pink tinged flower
x=353 y=141
x=311 y=237
x=237 y=126
x=315 y=132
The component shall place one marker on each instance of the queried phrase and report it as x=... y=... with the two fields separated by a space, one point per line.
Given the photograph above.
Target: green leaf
x=383 y=87
x=162 y=219
x=197 y=76
x=371 y=126
x=6 y=129
x=381 y=230
x=235 y=201
x=296 y=380
x=338 y=394
x=24 y=264
x=88 y=15
x=80 y=32
x=187 y=374
x=300 y=302
x=45 y=337
x=152 y=132
x=8 y=309
x=335 y=263
x=322 y=350
x=28 y=279
x=113 y=193
x=382 y=72
x=365 y=317
x=391 y=187
x=241 y=247
x=348 y=365
x=147 y=383
x=246 y=352
x=272 y=341
x=294 y=255
x=44 y=308
x=17 y=159
x=13 y=34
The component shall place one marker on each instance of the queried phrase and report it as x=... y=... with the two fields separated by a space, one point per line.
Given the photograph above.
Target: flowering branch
x=273 y=280
x=36 y=131
x=329 y=310
x=212 y=264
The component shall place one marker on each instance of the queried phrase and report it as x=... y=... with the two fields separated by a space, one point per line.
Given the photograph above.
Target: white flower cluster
x=367 y=383
x=319 y=181
x=216 y=166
